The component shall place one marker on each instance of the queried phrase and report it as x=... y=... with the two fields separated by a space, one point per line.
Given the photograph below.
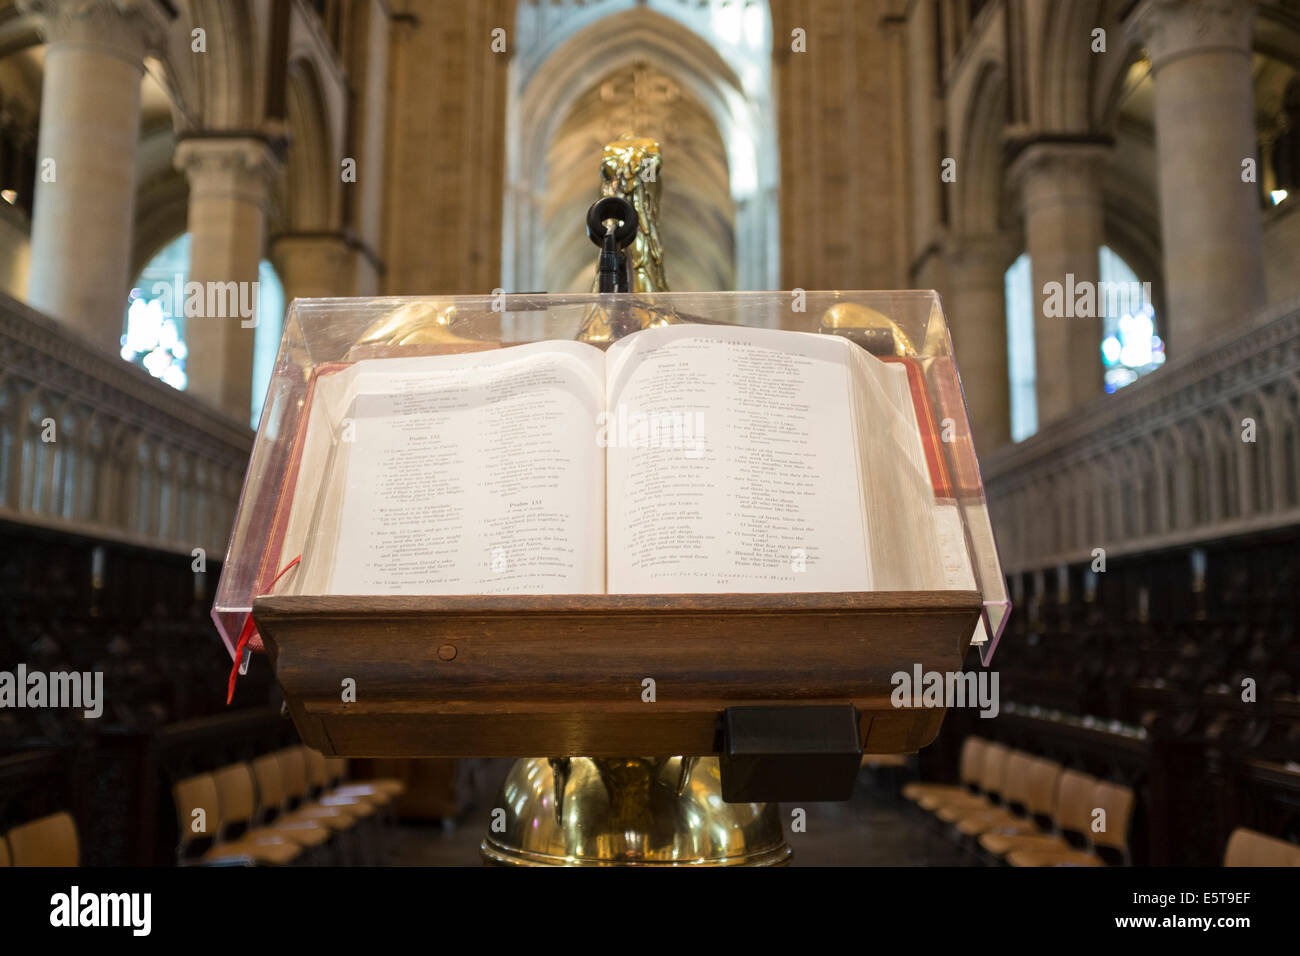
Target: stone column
x=1205 y=128
x=230 y=178
x=372 y=36
x=85 y=176
x=1061 y=200
x=314 y=265
x=976 y=309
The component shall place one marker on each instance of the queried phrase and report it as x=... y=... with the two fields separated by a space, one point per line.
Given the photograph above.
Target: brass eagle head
x=629 y=167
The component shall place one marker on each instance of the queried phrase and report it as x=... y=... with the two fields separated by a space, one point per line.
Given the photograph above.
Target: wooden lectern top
x=567 y=675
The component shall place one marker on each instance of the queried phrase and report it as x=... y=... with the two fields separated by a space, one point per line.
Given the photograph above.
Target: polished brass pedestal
x=628 y=811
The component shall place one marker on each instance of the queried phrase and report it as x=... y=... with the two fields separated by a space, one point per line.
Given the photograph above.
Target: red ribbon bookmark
x=247 y=631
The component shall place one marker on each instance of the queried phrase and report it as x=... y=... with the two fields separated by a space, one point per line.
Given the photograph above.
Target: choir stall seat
x=320 y=790
x=1015 y=797
x=993 y=784
x=353 y=822
x=1108 y=846
x=324 y=789
x=991 y=778
x=1071 y=821
x=1251 y=848
x=48 y=841
x=200 y=793
x=1037 y=807
x=1044 y=786
x=338 y=773
x=968 y=771
x=282 y=780
x=268 y=774
x=239 y=806
x=297 y=788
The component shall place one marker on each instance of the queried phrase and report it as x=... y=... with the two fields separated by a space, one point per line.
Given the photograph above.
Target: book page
x=474 y=474
x=898 y=495
x=917 y=538
x=732 y=463
x=322 y=460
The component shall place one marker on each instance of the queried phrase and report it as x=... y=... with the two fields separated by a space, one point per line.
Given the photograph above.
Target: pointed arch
x=541 y=98
x=228 y=76
x=980 y=202
x=312 y=200
x=1067 y=64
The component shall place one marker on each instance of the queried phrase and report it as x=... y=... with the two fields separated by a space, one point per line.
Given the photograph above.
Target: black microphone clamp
x=612 y=271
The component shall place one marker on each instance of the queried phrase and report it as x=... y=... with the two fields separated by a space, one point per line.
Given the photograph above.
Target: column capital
x=980 y=251
x=127 y=29
x=315 y=264
x=978 y=261
x=1058 y=171
x=1171 y=29
x=325 y=241
x=237 y=168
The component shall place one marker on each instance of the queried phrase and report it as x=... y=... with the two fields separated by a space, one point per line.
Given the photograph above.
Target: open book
x=683 y=459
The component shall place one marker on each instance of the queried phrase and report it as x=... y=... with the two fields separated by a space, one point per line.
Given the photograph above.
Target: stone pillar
x=230 y=179
x=314 y=265
x=1205 y=128
x=920 y=171
x=976 y=309
x=1061 y=200
x=85 y=175
x=373 y=39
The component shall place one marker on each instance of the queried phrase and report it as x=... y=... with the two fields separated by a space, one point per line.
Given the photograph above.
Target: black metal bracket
x=613 y=272
x=789 y=753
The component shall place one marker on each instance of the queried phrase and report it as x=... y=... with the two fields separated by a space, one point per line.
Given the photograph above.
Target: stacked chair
x=1032 y=809
x=1016 y=808
x=237 y=798
x=1075 y=842
x=983 y=772
x=206 y=838
x=287 y=807
x=992 y=782
x=1012 y=815
x=1066 y=822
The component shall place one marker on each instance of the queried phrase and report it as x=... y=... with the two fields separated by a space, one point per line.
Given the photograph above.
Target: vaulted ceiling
x=697 y=218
